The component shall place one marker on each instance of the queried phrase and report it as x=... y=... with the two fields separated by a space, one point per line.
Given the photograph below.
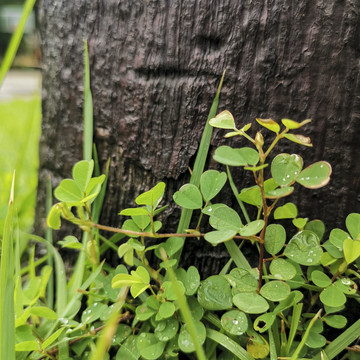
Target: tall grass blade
x=88 y=109
x=184 y=308
x=15 y=40
x=236 y=255
x=297 y=308
x=49 y=239
x=199 y=165
x=7 y=311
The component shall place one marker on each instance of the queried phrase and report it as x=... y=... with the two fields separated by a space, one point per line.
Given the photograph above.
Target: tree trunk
x=155 y=66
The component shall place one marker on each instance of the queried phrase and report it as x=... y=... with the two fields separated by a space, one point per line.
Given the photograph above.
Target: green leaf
x=252 y=228
x=291 y=124
x=242 y=280
x=130 y=225
x=185 y=341
x=304 y=248
x=142 y=221
x=320 y=279
x=299 y=139
x=68 y=191
x=285 y=168
x=53 y=219
x=263 y=322
x=166 y=309
x=70 y=242
x=316 y=226
x=250 y=303
x=215 y=293
x=169 y=291
x=93 y=312
x=167 y=329
x=300 y=223
x=275 y=290
x=144 y=312
x=188 y=197
x=315 y=340
x=138 y=288
x=279 y=193
x=82 y=172
x=351 y=250
x=153 y=196
x=121 y=280
x=335 y=321
x=332 y=296
x=251 y=196
x=235 y=322
x=337 y=237
x=211 y=182
x=29 y=345
x=269 y=124
x=225 y=218
x=287 y=211
x=141 y=274
x=149 y=346
x=197 y=311
x=44 y=312
x=192 y=280
x=209 y=210
x=275 y=237
x=353 y=225
x=236 y=157
x=224 y=120
x=128 y=349
x=219 y=236
x=134 y=212
x=315 y=176
x=282 y=269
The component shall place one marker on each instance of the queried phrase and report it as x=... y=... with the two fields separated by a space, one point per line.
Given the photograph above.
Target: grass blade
x=15 y=40
x=7 y=311
x=294 y=325
x=88 y=109
x=49 y=239
x=228 y=344
x=199 y=165
x=236 y=255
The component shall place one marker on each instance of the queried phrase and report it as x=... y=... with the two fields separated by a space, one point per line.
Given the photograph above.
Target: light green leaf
x=351 y=250
x=251 y=196
x=224 y=120
x=166 y=309
x=169 y=291
x=250 y=303
x=53 y=219
x=252 y=228
x=285 y=167
x=315 y=176
x=44 y=312
x=304 y=248
x=287 y=211
x=138 y=288
x=209 y=210
x=82 y=172
x=263 y=322
x=29 y=345
x=320 y=279
x=299 y=139
x=236 y=157
x=144 y=312
x=279 y=193
x=219 y=236
x=235 y=322
x=215 y=293
x=337 y=237
x=211 y=182
x=225 y=218
x=121 y=280
x=275 y=237
x=51 y=338
x=300 y=223
x=68 y=191
x=134 y=212
x=269 y=124
x=188 y=197
x=291 y=124
x=70 y=242
x=185 y=341
x=353 y=225
x=332 y=296
x=142 y=221
x=153 y=196
x=275 y=290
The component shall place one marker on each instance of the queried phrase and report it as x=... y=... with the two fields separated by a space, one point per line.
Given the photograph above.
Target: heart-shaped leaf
x=188 y=197
x=236 y=157
x=215 y=293
x=211 y=182
x=251 y=303
x=287 y=211
x=82 y=172
x=299 y=139
x=285 y=167
x=315 y=176
x=269 y=124
x=353 y=225
x=68 y=191
x=225 y=218
x=153 y=196
x=351 y=250
x=224 y=120
x=235 y=322
x=304 y=248
x=275 y=237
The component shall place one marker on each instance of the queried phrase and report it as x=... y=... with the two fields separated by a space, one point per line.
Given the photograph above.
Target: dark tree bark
x=155 y=66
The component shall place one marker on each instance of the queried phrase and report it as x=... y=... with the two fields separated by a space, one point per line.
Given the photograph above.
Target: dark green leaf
x=188 y=197
x=215 y=293
x=211 y=182
x=235 y=322
x=275 y=237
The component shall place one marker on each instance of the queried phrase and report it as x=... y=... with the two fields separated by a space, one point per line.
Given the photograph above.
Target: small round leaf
x=315 y=176
x=275 y=290
x=275 y=237
x=235 y=322
x=149 y=346
x=185 y=341
x=250 y=303
x=167 y=329
x=282 y=269
x=252 y=228
x=188 y=197
x=285 y=167
x=332 y=296
x=320 y=279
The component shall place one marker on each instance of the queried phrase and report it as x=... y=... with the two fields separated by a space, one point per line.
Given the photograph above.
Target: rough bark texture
x=155 y=66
